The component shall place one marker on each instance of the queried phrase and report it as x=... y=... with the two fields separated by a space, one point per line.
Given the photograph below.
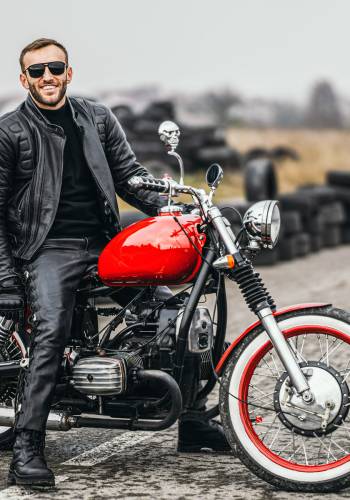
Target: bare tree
x=218 y=103
x=323 y=110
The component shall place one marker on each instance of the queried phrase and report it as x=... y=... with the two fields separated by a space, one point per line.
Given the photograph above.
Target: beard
x=42 y=100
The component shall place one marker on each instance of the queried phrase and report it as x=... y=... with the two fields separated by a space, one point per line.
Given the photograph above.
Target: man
x=61 y=162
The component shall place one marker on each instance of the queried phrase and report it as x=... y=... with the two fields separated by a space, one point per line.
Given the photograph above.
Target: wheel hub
x=326 y=409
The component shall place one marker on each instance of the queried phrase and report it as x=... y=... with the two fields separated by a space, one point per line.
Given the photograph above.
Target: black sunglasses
x=37 y=70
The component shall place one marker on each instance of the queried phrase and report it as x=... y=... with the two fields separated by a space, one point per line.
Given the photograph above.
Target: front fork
x=263 y=312
x=285 y=354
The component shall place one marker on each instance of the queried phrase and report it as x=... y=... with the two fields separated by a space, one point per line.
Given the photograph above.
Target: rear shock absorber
x=6 y=329
x=252 y=287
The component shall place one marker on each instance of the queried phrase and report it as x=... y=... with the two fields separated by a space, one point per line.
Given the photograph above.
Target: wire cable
x=235 y=210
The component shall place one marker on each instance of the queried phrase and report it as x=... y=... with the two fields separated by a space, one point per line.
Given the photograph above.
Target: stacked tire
x=339 y=182
x=313 y=217
x=331 y=213
x=321 y=216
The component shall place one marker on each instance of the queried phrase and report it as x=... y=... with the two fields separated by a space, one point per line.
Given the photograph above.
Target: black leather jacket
x=31 y=165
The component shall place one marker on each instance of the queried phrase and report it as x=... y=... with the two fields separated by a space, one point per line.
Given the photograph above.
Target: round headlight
x=262 y=221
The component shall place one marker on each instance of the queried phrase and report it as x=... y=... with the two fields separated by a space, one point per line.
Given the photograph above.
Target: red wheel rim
x=243 y=395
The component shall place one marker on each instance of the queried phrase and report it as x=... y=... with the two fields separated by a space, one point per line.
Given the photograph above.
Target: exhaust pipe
x=55 y=421
x=10 y=368
x=65 y=422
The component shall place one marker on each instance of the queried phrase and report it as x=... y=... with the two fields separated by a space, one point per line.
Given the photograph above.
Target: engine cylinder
x=103 y=376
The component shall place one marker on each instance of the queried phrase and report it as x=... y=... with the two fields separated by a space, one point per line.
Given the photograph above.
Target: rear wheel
x=14 y=349
x=292 y=445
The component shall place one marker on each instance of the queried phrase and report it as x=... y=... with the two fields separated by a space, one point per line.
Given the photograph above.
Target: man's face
x=48 y=91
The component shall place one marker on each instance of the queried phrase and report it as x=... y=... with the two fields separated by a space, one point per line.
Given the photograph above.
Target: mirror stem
x=179 y=159
x=211 y=194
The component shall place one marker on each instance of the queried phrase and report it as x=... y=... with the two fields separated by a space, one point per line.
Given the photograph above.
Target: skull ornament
x=169 y=133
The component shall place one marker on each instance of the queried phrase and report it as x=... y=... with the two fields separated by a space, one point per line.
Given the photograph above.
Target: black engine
x=147 y=341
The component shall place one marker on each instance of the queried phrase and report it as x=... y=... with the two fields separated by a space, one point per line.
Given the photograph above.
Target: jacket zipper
x=26 y=219
x=21 y=212
x=20 y=206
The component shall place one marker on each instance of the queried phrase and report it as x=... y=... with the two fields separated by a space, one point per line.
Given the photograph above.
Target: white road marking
x=96 y=455
x=16 y=492
x=106 y=450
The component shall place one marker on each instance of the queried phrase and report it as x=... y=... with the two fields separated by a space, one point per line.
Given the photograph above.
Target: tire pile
x=313 y=217
x=199 y=146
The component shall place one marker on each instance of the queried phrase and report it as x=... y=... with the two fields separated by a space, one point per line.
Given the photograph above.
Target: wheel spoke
x=294 y=452
x=275 y=436
x=263 y=424
x=274 y=363
x=302 y=345
x=347 y=369
x=328 y=353
x=304 y=449
x=265 y=373
x=299 y=356
x=320 y=344
x=275 y=374
x=258 y=398
x=269 y=429
x=338 y=446
x=255 y=387
x=329 y=450
x=322 y=444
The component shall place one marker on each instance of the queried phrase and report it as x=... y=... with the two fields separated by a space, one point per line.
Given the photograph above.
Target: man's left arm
x=123 y=165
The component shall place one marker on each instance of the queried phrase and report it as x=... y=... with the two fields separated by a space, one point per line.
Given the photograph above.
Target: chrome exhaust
x=55 y=421
x=10 y=368
x=63 y=422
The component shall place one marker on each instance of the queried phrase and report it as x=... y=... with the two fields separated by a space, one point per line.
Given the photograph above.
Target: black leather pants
x=52 y=278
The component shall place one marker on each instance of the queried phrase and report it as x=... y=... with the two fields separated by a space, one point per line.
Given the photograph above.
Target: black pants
x=52 y=278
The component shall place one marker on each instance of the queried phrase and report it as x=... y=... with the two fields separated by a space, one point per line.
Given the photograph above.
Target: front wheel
x=288 y=443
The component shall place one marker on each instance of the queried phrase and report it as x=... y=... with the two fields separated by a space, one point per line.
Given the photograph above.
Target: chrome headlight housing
x=262 y=222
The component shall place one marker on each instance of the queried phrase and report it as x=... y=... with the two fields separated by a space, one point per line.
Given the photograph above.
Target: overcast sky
x=268 y=48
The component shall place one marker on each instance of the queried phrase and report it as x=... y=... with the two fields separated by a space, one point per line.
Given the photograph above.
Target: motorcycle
x=283 y=383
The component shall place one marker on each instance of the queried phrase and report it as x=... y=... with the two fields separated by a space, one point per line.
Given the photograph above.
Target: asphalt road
x=103 y=464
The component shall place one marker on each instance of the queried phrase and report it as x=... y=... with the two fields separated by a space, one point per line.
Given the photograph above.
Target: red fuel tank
x=153 y=251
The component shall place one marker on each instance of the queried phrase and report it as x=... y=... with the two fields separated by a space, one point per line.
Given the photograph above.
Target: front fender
x=297 y=307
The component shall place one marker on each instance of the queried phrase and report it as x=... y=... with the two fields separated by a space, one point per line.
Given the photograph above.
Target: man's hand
x=12 y=297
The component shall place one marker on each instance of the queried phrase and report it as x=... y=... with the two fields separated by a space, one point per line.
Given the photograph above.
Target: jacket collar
x=33 y=110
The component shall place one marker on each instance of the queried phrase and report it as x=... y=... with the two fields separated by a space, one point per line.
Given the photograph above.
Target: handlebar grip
x=158 y=185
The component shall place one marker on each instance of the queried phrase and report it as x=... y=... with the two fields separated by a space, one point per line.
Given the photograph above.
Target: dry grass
x=319 y=150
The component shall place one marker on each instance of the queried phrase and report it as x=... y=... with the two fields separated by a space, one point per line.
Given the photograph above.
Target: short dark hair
x=40 y=43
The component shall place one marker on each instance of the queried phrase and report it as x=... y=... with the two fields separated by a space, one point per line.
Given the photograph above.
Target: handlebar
x=160 y=185
x=151 y=184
